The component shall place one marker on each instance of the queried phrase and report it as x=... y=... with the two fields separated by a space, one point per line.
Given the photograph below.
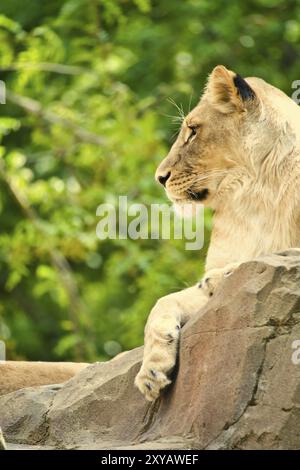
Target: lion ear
x=228 y=90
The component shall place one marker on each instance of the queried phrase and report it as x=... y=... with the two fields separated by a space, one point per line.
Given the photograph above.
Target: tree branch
x=45 y=67
x=35 y=107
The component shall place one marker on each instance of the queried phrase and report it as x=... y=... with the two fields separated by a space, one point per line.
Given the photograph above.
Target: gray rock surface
x=236 y=386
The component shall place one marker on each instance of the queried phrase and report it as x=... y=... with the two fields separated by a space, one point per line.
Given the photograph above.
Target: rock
x=23 y=414
x=2 y=441
x=100 y=403
x=237 y=384
x=20 y=374
x=12 y=446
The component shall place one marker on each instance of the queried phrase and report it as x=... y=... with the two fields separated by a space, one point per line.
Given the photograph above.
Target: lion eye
x=193 y=132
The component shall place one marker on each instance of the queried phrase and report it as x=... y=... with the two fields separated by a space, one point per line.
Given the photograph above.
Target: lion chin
x=186 y=209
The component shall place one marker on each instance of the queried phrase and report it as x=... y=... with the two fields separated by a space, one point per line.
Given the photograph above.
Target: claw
x=228 y=273
x=148 y=385
x=171 y=338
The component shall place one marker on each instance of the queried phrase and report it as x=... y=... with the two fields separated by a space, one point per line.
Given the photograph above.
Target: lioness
x=238 y=152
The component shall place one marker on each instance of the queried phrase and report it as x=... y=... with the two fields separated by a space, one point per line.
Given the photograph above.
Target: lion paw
x=160 y=353
x=150 y=382
x=213 y=278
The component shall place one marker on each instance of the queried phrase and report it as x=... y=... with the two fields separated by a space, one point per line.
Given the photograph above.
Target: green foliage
x=88 y=83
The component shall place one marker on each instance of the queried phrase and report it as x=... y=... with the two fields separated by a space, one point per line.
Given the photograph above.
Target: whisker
x=190 y=101
x=174 y=135
x=208 y=176
x=182 y=111
x=178 y=107
x=174 y=118
x=210 y=173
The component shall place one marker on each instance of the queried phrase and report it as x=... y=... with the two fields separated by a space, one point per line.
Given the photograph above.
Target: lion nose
x=164 y=178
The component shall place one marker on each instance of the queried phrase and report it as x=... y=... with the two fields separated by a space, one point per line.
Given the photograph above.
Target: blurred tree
x=86 y=120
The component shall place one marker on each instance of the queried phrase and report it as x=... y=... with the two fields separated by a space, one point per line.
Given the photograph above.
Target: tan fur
x=246 y=152
x=19 y=374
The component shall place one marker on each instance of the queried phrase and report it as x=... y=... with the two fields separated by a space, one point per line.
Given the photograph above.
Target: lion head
x=239 y=125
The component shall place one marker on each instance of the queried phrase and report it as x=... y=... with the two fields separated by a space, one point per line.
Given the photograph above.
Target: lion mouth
x=198 y=196
x=189 y=196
